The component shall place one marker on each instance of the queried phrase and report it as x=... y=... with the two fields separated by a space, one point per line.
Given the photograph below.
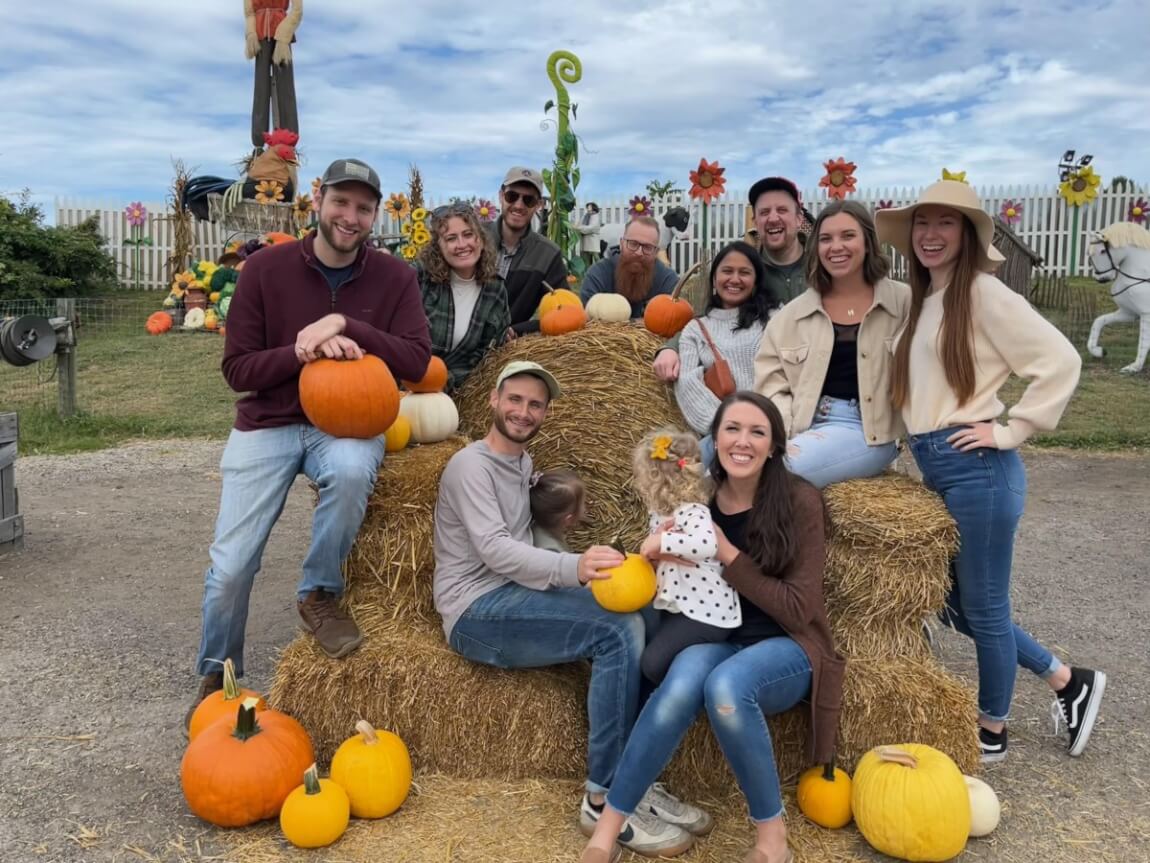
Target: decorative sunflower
x=419 y=214
x=420 y=236
x=839 y=180
x=707 y=181
x=1138 y=211
x=1011 y=211
x=486 y=210
x=957 y=176
x=184 y=281
x=397 y=206
x=269 y=192
x=302 y=209
x=405 y=229
x=1080 y=186
x=409 y=252
x=640 y=205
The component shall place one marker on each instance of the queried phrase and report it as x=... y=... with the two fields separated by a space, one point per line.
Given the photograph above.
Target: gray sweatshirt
x=483 y=533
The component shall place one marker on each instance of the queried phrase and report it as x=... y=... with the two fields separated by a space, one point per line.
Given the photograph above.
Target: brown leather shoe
x=335 y=631
x=597 y=855
x=209 y=683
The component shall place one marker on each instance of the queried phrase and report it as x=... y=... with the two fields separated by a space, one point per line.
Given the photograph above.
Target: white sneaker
x=642 y=832
x=667 y=807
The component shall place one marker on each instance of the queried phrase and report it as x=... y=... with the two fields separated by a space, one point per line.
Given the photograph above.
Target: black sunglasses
x=512 y=197
x=457 y=208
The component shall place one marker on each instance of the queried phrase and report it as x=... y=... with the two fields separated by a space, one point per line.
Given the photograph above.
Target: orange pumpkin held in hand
x=433 y=380
x=222 y=704
x=349 y=398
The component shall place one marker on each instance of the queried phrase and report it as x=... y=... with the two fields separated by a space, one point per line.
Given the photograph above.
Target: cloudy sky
x=98 y=97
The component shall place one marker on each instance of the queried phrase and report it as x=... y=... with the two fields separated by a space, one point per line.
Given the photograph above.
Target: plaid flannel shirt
x=488 y=329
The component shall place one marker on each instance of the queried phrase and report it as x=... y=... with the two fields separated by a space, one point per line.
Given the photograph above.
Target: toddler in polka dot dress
x=698 y=605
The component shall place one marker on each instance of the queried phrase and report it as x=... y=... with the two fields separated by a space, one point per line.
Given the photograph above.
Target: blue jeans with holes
x=737 y=684
x=834 y=448
x=258 y=469
x=984 y=490
x=516 y=627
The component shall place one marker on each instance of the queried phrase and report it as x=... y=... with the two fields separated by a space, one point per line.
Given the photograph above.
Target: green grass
x=131 y=385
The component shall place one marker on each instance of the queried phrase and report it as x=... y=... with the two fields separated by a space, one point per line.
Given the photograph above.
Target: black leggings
x=675 y=633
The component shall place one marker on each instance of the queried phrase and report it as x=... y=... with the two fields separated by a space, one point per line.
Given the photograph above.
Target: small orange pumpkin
x=158 y=323
x=273 y=238
x=349 y=398
x=564 y=319
x=222 y=704
x=433 y=380
x=556 y=297
x=666 y=314
x=235 y=774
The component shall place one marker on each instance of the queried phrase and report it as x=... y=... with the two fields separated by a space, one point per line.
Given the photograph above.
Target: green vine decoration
x=562 y=179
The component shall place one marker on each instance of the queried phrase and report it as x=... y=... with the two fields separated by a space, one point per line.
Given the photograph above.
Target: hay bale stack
x=611 y=399
x=473 y=721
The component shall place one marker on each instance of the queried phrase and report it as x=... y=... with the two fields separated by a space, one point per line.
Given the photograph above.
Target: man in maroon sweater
x=329 y=295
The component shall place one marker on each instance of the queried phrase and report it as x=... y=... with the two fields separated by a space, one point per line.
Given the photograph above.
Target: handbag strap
x=714 y=351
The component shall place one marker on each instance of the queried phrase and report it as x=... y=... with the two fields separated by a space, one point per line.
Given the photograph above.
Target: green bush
x=40 y=261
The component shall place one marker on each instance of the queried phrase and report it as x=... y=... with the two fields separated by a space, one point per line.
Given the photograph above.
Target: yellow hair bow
x=661 y=447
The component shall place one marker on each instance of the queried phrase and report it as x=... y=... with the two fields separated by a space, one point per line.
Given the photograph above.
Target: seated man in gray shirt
x=508 y=604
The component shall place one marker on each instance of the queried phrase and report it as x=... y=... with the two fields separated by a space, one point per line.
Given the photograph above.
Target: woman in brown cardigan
x=772 y=546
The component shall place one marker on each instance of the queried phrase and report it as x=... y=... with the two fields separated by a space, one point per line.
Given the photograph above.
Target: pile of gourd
x=909 y=801
x=246 y=762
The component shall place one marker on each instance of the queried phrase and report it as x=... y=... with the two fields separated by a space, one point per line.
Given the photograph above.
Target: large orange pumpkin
x=564 y=319
x=349 y=398
x=556 y=297
x=158 y=322
x=666 y=314
x=222 y=704
x=235 y=774
x=433 y=380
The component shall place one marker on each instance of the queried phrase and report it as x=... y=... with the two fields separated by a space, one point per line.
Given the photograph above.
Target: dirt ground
x=101 y=623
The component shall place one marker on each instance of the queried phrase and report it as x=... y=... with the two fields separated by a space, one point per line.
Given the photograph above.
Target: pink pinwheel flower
x=1011 y=211
x=1138 y=211
x=486 y=210
x=640 y=205
x=136 y=214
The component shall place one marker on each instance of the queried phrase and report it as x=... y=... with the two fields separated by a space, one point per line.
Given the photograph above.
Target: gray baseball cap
x=351 y=171
x=526 y=367
x=519 y=174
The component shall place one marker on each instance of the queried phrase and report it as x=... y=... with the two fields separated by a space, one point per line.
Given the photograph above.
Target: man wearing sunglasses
x=527 y=259
x=634 y=271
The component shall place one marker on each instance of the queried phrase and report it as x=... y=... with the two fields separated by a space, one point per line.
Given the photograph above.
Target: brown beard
x=634 y=277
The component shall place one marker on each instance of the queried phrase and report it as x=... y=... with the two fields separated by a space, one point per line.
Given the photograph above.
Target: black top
x=757 y=624
x=335 y=276
x=842 y=380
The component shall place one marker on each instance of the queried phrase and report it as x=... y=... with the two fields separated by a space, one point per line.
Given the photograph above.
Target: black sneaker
x=1076 y=704
x=991 y=746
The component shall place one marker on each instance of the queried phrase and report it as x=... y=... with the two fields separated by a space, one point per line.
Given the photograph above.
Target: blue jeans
x=834 y=448
x=258 y=469
x=984 y=490
x=516 y=627
x=737 y=684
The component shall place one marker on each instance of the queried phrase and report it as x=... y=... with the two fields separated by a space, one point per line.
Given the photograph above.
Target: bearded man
x=634 y=272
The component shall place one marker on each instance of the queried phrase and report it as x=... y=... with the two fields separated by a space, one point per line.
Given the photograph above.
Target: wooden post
x=11 y=522
x=66 y=363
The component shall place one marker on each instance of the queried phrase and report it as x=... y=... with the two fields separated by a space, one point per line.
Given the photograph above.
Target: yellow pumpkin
x=211 y=320
x=910 y=802
x=316 y=813
x=613 y=308
x=985 y=809
x=398 y=434
x=374 y=767
x=631 y=585
x=556 y=297
x=433 y=416
x=824 y=796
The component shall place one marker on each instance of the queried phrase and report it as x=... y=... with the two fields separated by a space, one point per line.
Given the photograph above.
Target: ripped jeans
x=738 y=684
x=834 y=448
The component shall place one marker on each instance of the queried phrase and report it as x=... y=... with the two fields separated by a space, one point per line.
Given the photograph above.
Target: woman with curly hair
x=466 y=304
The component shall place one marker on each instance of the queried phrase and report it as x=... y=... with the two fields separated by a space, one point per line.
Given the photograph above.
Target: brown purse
x=717 y=376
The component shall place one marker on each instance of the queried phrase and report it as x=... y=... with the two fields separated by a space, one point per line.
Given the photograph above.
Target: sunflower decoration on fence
x=303 y=211
x=415 y=232
x=707 y=184
x=839 y=180
x=269 y=192
x=1078 y=186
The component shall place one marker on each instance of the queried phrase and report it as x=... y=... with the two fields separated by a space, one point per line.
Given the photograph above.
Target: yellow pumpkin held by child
x=631 y=586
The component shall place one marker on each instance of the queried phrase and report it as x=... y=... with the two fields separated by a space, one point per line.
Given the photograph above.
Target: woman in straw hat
x=824 y=358
x=770 y=530
x=965 y=334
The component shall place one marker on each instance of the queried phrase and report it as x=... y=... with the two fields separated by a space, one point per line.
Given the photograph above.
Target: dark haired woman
x=966 y=333
x=825 y=356
x=770 y=526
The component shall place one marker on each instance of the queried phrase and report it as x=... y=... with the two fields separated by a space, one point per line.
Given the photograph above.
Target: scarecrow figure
x=269 y=28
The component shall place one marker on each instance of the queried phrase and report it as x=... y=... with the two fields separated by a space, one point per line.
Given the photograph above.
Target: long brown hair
x=876 y=265
x=431 y=256
x=770 y=537
x=956 y=335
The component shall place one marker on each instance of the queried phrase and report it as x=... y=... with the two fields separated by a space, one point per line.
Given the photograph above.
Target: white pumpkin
x=984 y=807
x=613 y=308
x=194 y=319
x=433 y=416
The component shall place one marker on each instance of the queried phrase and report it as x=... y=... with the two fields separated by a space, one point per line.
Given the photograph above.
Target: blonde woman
x=825 y=356
x=966 y=333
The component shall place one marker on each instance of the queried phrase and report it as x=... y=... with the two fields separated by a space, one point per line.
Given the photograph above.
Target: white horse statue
x=1120 y=255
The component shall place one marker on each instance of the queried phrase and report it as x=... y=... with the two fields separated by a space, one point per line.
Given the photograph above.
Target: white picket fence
x=1046 y=225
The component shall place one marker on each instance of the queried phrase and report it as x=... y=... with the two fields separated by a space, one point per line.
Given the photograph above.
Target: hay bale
x=611 y=399
x=472 y=721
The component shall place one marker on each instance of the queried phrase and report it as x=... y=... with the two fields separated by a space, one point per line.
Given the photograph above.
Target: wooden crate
x=11 y=522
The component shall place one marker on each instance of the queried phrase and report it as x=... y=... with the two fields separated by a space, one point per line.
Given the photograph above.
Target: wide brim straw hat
x=894 y=225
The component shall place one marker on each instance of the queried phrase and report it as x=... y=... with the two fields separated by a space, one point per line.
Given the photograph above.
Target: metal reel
x=26 y=340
